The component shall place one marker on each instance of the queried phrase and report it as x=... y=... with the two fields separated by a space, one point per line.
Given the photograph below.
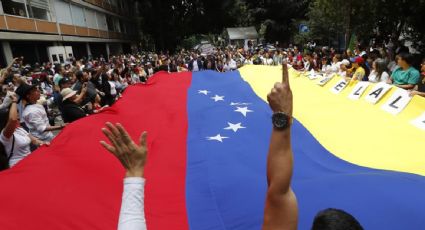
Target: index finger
x=285 y=75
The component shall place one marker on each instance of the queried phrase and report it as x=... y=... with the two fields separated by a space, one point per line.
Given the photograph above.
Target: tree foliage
x=169 y=22
x=379 y=19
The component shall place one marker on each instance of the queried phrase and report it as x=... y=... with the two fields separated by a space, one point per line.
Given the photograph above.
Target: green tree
x=277 y=17
x=367 y=19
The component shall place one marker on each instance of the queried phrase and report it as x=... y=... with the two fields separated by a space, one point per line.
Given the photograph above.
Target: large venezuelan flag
x=208 y=141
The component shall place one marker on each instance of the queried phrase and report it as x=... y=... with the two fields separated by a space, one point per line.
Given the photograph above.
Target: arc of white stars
x=243 y=110
x=234 y=127
x=218 y=138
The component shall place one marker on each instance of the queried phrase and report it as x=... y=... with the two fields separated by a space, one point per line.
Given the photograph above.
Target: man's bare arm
x=281 y=211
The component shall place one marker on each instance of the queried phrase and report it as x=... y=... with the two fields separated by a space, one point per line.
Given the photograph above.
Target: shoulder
x=414 y=71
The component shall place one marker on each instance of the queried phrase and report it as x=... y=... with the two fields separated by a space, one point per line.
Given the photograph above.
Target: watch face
x=280 y=120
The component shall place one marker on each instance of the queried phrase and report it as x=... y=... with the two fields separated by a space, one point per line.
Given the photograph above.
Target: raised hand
x=280 y=97
x=131 y=155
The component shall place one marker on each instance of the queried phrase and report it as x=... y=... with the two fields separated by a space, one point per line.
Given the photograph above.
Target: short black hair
x=79 y=75
x=335 y=219
x=407 y=57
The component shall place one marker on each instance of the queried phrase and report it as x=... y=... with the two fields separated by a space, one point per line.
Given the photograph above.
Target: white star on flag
x=234 y=127
x=243 y=110
x=218 y=137
x=218 y=98
x=238 y=103
x=205 y=92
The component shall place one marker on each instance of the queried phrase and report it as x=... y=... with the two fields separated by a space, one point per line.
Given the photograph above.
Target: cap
x=67 y=93
x=359 y=60
x=23 y=90
x=64 y=81
x=345 y=62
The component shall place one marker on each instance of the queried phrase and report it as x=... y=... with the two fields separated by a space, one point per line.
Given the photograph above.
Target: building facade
x=91 y=27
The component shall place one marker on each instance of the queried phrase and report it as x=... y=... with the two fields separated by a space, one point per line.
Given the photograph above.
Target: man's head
x=82 y=76
x=29 y=93
x=65 y=83
x=68 y=94
x=335 y=219
x=405 y=60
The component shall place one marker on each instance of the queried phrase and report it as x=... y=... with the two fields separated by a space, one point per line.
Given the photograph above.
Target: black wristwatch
x=281 y=121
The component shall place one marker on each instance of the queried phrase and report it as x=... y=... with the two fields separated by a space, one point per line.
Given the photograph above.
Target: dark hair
x=79 y=75
x=408 y=58
x=58 y=68
x=338 y=57
x=335 y=219
x=4 y=117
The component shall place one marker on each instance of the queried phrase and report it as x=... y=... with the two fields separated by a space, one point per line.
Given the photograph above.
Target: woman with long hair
x=379 y=71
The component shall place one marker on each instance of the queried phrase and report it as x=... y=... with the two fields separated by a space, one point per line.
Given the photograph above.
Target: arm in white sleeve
x=132 y=214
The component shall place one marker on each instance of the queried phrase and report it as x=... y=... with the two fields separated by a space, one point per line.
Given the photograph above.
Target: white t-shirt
x=150 y=72
x=269 y=61
x=334 y=67
x=231 y=65
x=195 y=66
x=35 y=117
x=373 y=77
x=113 y=89
x=342 y=73
x=22 y=145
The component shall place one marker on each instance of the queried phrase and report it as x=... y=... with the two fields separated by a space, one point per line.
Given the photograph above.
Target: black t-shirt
x=421 y=84
x=71 y=111
x=91 y=91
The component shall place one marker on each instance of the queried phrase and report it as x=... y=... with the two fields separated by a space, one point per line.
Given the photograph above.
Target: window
x=63 y=12
x=117 y=27
x=78 y=16
x=110 y=23
x=39 y=9
x=122 y=25
x=101 y=21
x=14 y=7
x=90 y=18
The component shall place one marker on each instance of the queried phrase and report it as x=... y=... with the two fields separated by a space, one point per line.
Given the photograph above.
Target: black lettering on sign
x=423 y=121
x=395 y=101
x=376 y=92
x=358 y=90
x=340 y=85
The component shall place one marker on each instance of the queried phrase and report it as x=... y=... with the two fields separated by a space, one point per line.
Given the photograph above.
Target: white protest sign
x=397 y=102
x=312 y=75
x=339 y=86
x=358 y=90
x=377 y=92
x=419 y=122
x=324 y=80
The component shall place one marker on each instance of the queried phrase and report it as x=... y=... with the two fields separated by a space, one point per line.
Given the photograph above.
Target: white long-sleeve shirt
x=132 y=214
